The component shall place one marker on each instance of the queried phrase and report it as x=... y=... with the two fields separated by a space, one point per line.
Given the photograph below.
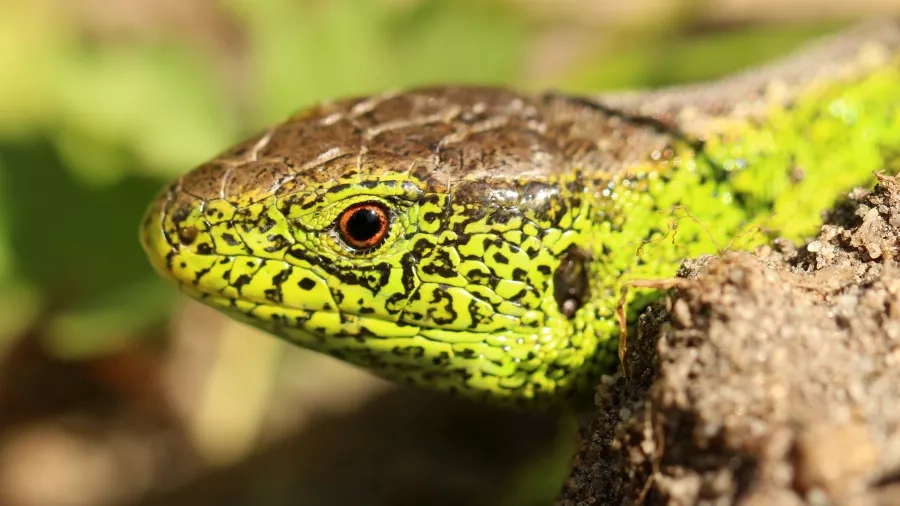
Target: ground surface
x=767 y=378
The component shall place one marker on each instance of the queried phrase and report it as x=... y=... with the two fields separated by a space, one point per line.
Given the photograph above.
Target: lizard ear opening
x=570 y=281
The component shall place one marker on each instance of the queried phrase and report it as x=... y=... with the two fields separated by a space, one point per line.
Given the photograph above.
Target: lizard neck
x=788 y=137
x=732 y=182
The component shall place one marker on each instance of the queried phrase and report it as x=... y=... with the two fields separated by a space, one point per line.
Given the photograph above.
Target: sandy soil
x=766 y=378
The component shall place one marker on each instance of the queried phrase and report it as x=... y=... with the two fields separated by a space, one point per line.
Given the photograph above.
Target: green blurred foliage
x=652 y=61
x=92 y=124
x=302 y=53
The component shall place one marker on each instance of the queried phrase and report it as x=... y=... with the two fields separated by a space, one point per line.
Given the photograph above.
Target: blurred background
x=116 y=390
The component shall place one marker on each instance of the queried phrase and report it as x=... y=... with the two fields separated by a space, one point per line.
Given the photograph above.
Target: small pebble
x=835 y=460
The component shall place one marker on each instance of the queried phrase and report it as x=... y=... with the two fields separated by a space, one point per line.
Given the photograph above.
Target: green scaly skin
x=515 y=221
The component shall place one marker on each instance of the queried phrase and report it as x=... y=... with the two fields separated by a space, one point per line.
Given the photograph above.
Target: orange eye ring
x=363 y=226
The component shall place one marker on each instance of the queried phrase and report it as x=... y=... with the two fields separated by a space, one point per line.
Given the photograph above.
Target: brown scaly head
x=445 y=237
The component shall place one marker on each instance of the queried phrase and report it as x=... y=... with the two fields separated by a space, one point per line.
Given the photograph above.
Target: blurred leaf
x=301 y=53
x=7 y=267
x=19 y=306
x=31 y=41
x=160 y=103
x=77 y=243
x=459 y=42
x=19 y=300
x=650 y=62
x=110 y=321
x=304 y=53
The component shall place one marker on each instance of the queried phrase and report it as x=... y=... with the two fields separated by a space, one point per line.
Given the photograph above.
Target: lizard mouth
x=307 y=326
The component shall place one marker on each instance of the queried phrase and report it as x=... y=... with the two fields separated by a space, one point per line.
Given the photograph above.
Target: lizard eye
x=363 y=226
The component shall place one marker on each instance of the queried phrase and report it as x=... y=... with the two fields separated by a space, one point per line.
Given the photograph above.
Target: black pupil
x=363 y=225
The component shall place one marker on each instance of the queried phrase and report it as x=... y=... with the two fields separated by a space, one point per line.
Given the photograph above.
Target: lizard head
x=434 y=237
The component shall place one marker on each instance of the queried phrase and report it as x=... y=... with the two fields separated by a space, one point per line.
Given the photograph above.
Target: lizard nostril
x=187 y=235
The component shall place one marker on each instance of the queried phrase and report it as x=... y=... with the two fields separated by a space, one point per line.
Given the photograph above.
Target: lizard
x=477 y=240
